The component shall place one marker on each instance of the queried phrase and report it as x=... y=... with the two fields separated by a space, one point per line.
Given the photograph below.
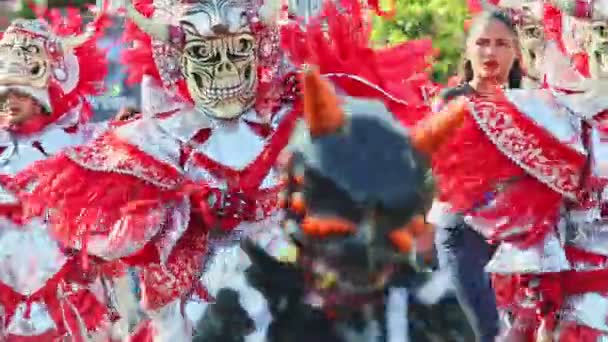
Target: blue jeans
x=464 y=253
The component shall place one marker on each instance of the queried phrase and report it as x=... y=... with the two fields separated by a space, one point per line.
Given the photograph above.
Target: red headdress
x=338 y=42
x=77 y=66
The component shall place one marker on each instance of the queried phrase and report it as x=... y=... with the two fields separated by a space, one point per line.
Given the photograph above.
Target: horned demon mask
x=217 y=53
x=32 y=59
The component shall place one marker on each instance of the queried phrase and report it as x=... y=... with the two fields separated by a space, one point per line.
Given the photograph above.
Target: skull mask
x=31 y=57
x=597 y=49
x=218 y=54
x=220 y=71
x=24 y=61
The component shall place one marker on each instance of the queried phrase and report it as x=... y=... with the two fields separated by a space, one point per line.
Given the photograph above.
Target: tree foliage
x=440 y=20
x=27 y=12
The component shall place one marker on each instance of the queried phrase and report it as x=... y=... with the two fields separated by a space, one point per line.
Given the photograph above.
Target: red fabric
x=571 y=332
x=464 y=179
x=179 y=277
x=162 y=284
x=475 y=6
x=245 y=183
x=92 y=313
x=143 y=333
x=90 y=81
x=581 y=63
x=49 y=336
x=344 y=47
x=552 y=23
x=109 y=197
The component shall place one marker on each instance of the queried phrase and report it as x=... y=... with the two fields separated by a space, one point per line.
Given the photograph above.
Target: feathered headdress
x=338 y=43
x=78 y=65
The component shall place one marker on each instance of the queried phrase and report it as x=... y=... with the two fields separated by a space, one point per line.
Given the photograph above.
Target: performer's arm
x=432 y=132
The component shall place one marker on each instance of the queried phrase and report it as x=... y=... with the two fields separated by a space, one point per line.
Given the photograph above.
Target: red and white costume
x=581 y=291
x=162 y=191
x=44 y=294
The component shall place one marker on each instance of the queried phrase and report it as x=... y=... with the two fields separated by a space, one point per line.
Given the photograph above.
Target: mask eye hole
x=33 y=49
x=600 y=30
x=242 y=46
x=532 y=32
x=200 y=51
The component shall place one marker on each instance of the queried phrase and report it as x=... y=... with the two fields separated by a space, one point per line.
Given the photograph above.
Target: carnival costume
x=338 y=52
x=534 y=159
x=577 y=89
x=160 y=192
x=45 y=294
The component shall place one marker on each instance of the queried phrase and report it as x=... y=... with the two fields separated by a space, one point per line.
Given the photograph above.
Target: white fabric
x=169 y=325
x=441 y=215
x=547 y=256
x=227 y=271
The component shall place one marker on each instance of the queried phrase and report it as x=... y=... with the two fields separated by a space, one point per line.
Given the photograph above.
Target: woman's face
x=491 y=49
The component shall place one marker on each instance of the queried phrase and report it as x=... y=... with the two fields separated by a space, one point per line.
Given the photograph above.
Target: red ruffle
x=85 y=202
x=179 y=277
x=552 y=23
x=90 y=81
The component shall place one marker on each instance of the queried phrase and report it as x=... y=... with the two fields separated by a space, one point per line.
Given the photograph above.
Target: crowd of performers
x=257 y=126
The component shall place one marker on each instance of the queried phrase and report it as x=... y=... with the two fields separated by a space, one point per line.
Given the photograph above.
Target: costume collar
x=184 y=124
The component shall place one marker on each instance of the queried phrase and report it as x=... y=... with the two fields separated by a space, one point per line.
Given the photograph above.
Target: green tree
x=440 y=20
x=26 y=10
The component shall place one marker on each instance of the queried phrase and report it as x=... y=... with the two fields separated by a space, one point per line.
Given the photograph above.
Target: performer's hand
x=429 y=134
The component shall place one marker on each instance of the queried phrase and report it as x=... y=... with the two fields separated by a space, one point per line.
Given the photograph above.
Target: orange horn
x=431 y=133
x=322 y=110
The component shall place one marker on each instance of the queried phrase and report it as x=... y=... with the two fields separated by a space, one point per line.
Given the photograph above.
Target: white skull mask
x=31 y=56
x=23 y=61
x=218 y=53
x=597 y=49
x=220 y=71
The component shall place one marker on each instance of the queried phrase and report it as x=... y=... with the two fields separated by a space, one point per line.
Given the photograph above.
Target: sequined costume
x=45 y=294
x=161 y=191
x=578 y=87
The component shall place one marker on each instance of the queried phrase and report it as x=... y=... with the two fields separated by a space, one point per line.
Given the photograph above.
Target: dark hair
x=516 y=72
